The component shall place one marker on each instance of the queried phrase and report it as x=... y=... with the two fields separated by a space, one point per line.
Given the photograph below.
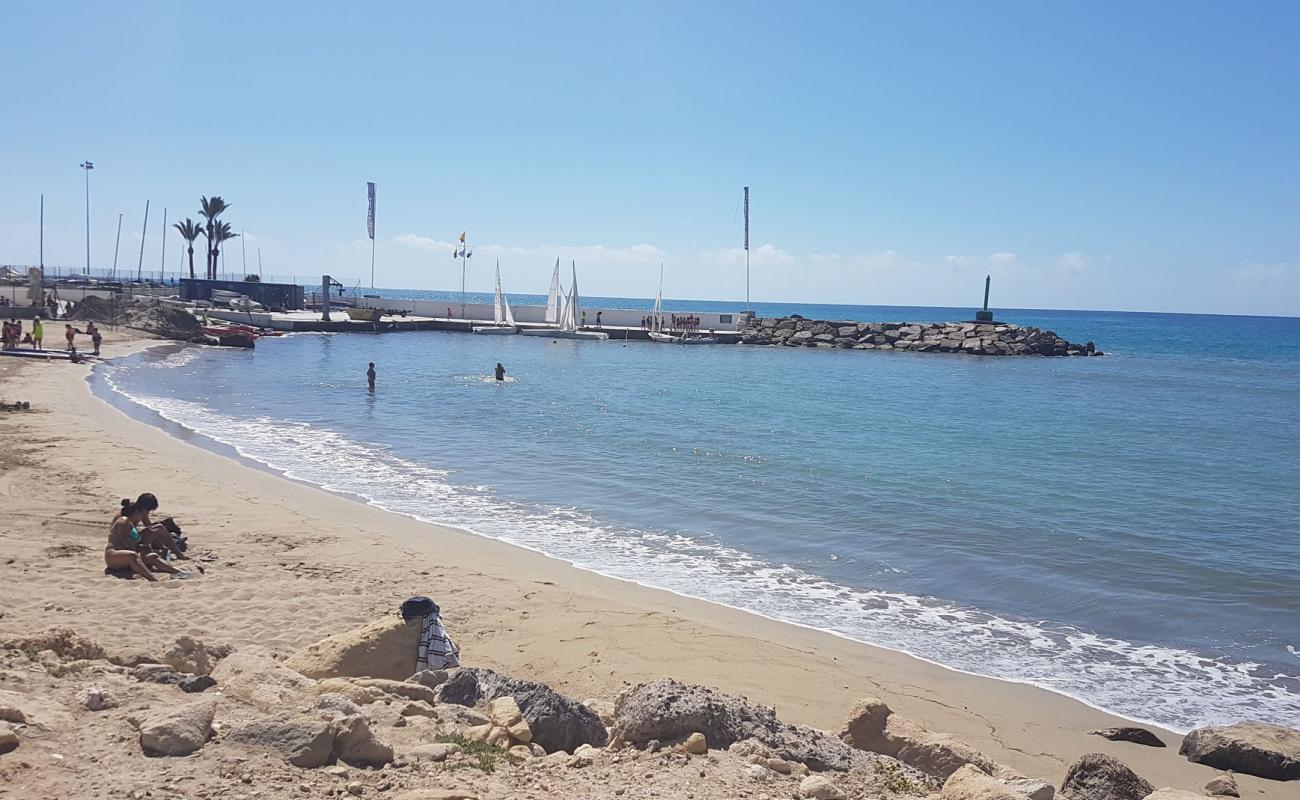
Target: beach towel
x=436 y=650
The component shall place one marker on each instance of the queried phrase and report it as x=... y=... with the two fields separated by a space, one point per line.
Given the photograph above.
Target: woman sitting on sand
x=124 y=541
x=152 y=535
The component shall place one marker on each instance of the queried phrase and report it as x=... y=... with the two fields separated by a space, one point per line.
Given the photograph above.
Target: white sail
x=573 y=297
x=510 y=318
x=498 y=315
x=566 y=318
x=655 y=323
x=553 y=297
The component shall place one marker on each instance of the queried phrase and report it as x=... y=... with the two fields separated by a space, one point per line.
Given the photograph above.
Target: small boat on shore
x=503 y=318
x=364 y=314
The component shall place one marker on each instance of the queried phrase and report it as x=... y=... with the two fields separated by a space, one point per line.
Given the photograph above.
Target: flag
x=746 y=218
x=462 y=237
x=370 y=219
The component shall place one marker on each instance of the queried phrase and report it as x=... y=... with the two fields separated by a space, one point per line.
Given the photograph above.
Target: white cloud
x=1264 y=273
x=595 y=253
x=767 y=253
x=1073 y=263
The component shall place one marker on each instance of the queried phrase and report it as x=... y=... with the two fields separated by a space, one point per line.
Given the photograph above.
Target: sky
x=1128 y=156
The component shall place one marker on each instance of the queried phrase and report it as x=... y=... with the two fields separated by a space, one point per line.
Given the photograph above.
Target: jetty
x=978 y=338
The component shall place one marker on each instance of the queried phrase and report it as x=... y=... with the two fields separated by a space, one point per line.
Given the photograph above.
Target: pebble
x=355 y=789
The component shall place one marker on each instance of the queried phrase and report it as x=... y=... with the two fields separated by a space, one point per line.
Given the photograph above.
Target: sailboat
x=657 y=333
x=503 y=319
x=569 y=314
x=553 y=296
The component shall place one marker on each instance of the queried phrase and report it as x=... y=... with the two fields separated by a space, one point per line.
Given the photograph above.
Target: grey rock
x=1254 y=748
x=303 y=741
x=193 y=684
x=667 y=711
x=557 y=722
x=1129 y=734
x=356 y=745
x=1224 y=785
x=94 y=698
x=1097 y=776
x=179 y=730
x=8 y=739
x=432 y=752
x=335 y=705
x=432 y=678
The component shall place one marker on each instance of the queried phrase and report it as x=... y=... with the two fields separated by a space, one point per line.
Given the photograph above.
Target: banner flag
x=370 y=219
x=746 y=218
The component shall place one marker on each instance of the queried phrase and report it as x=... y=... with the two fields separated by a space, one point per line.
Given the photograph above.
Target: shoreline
x=139 y=413
x=493 y=591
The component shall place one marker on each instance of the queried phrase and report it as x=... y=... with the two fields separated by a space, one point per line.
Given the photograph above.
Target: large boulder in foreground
x=355 y=744
x=1255 y=748
x=1097 y=776
x=301 y=740
x=666 y=710
x=873 y=727
x=253 y=675
x=972 y=783
x=556 y=722
x=178 y=730
x=385 y=648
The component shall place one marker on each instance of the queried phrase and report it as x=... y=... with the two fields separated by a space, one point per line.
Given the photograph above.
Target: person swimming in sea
x=500 y=372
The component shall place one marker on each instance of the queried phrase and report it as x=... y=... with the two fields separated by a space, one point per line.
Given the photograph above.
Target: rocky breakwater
x=972 y=338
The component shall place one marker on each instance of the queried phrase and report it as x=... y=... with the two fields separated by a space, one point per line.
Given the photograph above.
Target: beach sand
x=296 y=563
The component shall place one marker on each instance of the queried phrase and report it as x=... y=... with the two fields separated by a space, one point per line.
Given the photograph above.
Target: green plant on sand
x=479 y=755
x=895 y=780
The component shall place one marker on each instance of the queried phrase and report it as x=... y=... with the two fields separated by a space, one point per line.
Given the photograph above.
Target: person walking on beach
x=38 y=333
x=70 y=333
x=95 y=336
x=370 y=376
x=500 y=372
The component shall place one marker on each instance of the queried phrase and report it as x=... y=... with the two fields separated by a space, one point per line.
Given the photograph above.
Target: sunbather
x=124 y=546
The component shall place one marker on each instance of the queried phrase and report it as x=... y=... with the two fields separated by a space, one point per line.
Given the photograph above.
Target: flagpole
x=372 y=263
x=162 y=262
x=746 y=248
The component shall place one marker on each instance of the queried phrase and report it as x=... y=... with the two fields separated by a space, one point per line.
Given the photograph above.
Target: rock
x=971 y=783
x=695 y=744
x=817 y=787
x=64 y=643
x=10 y=713
x=667 y=710
x=578 y=761
x=411 y=691
x=179 y=730
x=522 y=751
x=521 y=732
x=1224 y=785
x=385 y=648
x=361 y=695
x=253 y=675
x=335 y=705
x=96 y=699
x=478 y=733
x=416 y=708
x=433 y=752
x=149 y=673
x=354 y=744
x=355 y=789
x=437 y=794
x=603 y=709
x=555 y=721
x=1174 y=794
x=1255 y=748
x=433 y=678
x=1096 y=776
x=1033 y=788
x=873 y=727
x=1129 y=734
x=498 y=737
x=197 y=683
x=8 y=739
x=194 y=657
x=779 y=766
x=504 y=711
x=461 y=716
x=303 y=741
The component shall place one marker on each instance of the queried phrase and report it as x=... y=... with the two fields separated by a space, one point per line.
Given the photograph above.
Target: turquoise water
x=1125 y=530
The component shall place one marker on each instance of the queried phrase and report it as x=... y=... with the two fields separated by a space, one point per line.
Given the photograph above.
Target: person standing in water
x=370 y=376
x=500 y=372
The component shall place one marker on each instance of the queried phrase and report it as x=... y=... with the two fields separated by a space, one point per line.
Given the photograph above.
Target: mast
x=139 y=267
x=498 y=313
x=162 y=262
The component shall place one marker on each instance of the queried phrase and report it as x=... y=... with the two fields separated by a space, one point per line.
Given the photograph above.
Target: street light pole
x=87 y=166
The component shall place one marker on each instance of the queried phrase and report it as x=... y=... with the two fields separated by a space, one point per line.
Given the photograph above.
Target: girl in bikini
x=124 y=540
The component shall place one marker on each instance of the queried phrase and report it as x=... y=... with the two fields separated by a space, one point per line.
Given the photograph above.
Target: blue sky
x=1120 y=156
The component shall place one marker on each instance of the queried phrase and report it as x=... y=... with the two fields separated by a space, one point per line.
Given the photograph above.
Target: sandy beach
x=295 y=563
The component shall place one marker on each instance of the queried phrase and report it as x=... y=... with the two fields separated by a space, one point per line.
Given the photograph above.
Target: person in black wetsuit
x=370 y=376
x=500 y=372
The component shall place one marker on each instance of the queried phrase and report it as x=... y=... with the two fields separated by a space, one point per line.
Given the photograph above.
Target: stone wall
x=972 y=338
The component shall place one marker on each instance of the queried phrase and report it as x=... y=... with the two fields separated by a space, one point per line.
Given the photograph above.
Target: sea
x=1124 y=530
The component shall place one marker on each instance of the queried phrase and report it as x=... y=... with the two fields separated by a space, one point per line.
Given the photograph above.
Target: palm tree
x=221 y=233
x=210 y=208
x=190 y=231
